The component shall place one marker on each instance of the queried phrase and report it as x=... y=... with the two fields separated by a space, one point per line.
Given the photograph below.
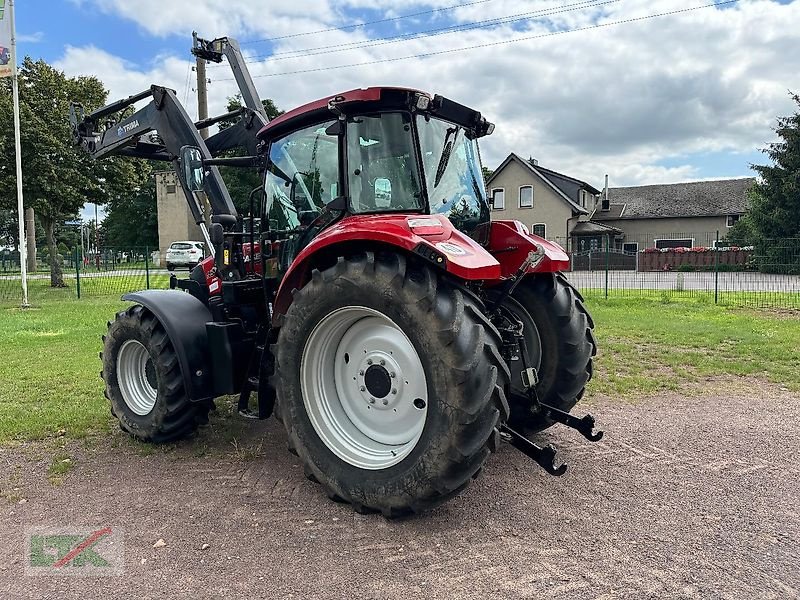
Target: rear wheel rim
x=136 y=377
x=364 y=387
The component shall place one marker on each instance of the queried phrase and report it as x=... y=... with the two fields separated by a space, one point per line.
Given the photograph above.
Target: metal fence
x=763 y=274
x=106 y=273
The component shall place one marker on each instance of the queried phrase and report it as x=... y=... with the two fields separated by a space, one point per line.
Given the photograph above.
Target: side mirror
x=383 y=193
x=192 y=166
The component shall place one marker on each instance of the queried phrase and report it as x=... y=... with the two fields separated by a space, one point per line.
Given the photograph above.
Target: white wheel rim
x=364 y=387
x=136 y=377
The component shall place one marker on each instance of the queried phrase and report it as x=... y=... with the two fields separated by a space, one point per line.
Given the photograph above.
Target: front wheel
x=143 y=379
x=390 y=383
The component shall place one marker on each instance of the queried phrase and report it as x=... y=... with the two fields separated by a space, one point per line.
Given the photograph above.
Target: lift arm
x=157 y=131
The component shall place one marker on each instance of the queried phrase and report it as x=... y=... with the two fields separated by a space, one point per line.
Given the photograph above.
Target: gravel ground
x=686 y=497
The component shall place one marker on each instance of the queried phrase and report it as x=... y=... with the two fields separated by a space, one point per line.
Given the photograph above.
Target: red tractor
x=396 y=331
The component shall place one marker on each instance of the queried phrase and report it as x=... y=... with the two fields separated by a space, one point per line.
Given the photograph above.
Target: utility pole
x=8 y=27
x=202 y=88
x=96 y=238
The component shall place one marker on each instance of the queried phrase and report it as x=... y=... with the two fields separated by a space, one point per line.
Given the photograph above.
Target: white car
x=185 y=254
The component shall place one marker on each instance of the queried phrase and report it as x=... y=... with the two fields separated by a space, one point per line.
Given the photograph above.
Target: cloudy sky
x=587 y=88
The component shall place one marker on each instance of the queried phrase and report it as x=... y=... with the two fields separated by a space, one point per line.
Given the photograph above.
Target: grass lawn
x=49 y=370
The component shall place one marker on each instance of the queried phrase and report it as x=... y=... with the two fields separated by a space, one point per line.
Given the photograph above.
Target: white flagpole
x=23 y=258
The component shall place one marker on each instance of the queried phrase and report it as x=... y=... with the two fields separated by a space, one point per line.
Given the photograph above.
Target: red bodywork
x=214 y=282
x=509 y=244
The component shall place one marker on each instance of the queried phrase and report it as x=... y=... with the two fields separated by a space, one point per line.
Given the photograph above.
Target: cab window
x=382 y=167
x=302 y=176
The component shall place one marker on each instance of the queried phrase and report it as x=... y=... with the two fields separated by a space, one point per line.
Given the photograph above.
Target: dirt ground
x=686 y=497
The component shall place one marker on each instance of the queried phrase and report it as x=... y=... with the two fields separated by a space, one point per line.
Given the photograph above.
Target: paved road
x=95 y=274
x=628 y=280
x=685 y=498
x=670 y=280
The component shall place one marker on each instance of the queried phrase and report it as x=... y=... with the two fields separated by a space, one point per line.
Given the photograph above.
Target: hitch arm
x=584 y=425
x=544 y=456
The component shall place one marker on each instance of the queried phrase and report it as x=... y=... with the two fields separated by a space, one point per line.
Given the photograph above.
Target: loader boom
x=161 y=128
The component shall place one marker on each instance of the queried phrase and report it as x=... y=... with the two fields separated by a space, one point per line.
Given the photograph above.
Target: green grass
x=49 y=367
x=652 y=345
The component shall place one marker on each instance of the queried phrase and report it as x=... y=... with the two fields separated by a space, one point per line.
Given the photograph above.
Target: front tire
x=144 y=382
x=383 y=443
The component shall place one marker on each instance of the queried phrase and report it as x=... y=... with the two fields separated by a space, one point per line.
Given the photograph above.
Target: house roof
x=558 y=178
x=592 y=228
x=695 y=199
x=556 y=181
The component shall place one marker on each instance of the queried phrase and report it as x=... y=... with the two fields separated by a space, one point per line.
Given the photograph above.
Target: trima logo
x=74 y=552
x=123 y=129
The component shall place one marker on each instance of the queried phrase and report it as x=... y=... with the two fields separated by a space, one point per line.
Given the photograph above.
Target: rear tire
x=407 y=313
x=170 y=267
x=566 y=345
x=144 y=382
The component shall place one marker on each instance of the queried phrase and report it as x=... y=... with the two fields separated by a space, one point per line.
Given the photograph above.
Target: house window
x=583 y=198
x=172 y=188
x=526 y=196
x=678 y=243
x=539 y=229
x=498 y=199
x=731 y=220
x=630 y=247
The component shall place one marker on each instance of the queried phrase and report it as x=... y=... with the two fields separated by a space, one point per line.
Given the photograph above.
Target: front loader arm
x=215 y=50
x=157 y=131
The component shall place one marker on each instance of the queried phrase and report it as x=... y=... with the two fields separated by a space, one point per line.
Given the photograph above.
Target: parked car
x=185 y=254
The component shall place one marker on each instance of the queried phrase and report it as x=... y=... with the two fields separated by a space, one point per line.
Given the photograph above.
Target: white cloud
x=30 y=38
x=618 y=99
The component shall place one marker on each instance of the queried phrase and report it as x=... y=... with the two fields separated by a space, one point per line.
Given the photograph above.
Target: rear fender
x=510 y=243
x=184 y=319
x=431 y=237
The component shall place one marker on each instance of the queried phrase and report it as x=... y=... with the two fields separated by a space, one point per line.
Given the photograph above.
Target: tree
x=132 y=221
x=58 y=178
x=241 y=182
x=774 y=213
x=487 y=173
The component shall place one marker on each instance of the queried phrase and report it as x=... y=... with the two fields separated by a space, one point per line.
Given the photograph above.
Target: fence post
x=147 y=267
x=716 y=269
x=77 y=274
x=608 y=257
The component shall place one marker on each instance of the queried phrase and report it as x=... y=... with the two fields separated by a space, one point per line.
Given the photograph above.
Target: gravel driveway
x=693 y=497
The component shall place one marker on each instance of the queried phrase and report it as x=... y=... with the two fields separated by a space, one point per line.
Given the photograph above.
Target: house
x=664 y=216
x=549 y=203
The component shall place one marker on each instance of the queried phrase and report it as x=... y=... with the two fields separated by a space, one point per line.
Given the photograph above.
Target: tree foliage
x=132 y=221
x=774 y=214
x=241 y=182
x=58 y=178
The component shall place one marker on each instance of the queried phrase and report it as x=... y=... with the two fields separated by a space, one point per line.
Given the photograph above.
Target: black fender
x=184 y=319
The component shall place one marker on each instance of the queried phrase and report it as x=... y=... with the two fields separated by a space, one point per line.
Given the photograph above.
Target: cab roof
x=375 y=99
x=319 y=109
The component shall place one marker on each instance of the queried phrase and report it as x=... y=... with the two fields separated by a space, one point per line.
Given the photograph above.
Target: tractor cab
x=375 y=150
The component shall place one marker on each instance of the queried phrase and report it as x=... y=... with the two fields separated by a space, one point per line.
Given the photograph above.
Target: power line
x=499 y=43
x=382 y=41
x=365 y=23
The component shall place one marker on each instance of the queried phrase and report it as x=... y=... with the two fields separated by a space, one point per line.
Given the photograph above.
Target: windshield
x=453 y=173
x=382 y=168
